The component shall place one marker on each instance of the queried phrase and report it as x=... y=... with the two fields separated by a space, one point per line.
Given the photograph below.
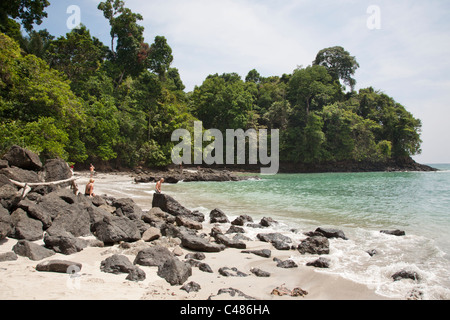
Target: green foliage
x=339 y=63
x=28 y=11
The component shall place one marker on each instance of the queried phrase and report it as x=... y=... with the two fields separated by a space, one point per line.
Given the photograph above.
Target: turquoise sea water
x=360 y=204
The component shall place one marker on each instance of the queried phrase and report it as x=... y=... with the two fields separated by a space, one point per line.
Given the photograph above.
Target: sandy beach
x=20 y=280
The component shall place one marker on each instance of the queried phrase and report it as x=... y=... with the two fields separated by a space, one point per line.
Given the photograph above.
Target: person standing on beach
x=158 y=185
x=92 y=169
x=89 y=192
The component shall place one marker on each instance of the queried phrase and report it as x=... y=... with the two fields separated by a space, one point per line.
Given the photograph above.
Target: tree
x=39 y=98
x=223 y=102
x=78 y=55
x=27 y=11
x=310 y=88
x=253 y=76
x=37 y=42
x=160 y=57
x=339 y=63
x=131 y=53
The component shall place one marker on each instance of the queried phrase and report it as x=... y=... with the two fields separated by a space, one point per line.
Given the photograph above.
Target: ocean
x=360 y=204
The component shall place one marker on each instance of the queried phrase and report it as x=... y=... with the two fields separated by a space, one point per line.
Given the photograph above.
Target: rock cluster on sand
x=68 y=223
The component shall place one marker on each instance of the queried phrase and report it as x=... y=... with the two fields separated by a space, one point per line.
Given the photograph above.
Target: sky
x=402 y=46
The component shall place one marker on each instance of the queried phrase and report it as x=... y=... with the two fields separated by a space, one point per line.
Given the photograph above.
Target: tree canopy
x=84 y=101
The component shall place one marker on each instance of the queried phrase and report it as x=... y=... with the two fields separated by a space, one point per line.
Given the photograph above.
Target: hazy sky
x=403 y=47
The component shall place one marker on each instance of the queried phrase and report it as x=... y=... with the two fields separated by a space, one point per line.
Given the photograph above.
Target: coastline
x=21 y=280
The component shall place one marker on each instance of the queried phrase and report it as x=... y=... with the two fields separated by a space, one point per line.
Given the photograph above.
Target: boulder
x=8 y=256
x=218 y=216
x=279 y=241
x=188 y=223
x=127 y=208
x=32 y=250
x=56 y=170
x=24 y=227
x=75 y=222
x=37 y=212
x=5 y=223
x=331 y=233
x=286 y=264
x=65 y=245
x=59 y=266
x=174 y=271
x=320 y=263
x=23 y=158
x=404 y=274
x=196 y=243
x=196 y=256
x=223 y=239
x=156 y=217
x=241 y=220
x=120 y=264
x=153 y=256
x=151 y=234
x=169 y=205
x=265 y=253
x=9 y=197
x=397 y=232
x=204 y=267
x=259 y=273
x=235 y=229
x=314 y=245
x=115 y=229
x=267 y=222
x=232 y=272
x=3 y=164
x=21 y=175
x=191 y=287
x=4 y=180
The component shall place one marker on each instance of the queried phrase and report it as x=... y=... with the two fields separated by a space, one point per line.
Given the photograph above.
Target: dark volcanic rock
x=223 y=239
x=218 y=216
x=56 y=170
x=23 y=158
x=314 y=245
x=265 y=253
x=174 y=271
x=320 y=263
x=65 y=245
x=403 y=274
x=5 y=223
x=21 y=175
x=59 y=266
x=153 y=256
x=287 y=264
x=397 y=232
x=128 y=208
x=232 y=272
x=279 y=241
x=24 y=227
x=169 y=205
x=120 y=264
x=191 y=287
x=260 y=273
x=115 y=229
x=31 y=250
x=196 y=243
x=331 y=233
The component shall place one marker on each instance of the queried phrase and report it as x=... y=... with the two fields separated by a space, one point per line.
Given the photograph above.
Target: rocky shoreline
x=68 y=223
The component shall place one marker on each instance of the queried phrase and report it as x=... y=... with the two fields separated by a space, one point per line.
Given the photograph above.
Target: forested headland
x=117 y=104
